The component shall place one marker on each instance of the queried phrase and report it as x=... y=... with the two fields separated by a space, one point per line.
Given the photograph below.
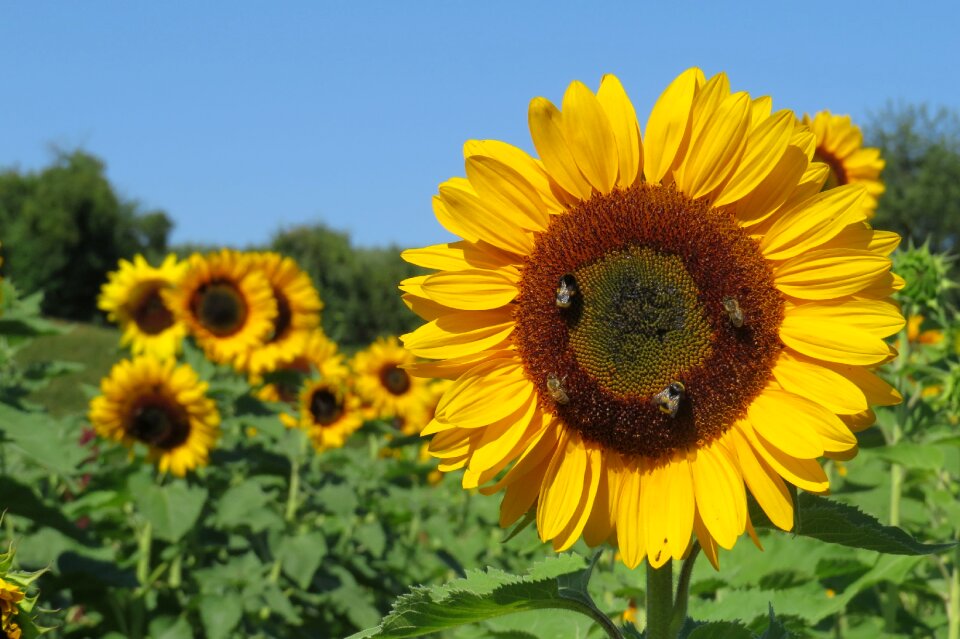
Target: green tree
x=64 y=228
x=922 y=174
x=358 y=285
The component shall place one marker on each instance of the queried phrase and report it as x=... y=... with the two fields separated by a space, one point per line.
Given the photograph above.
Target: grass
x=95 y=347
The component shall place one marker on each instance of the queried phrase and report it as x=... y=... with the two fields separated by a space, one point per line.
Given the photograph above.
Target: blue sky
x=241 y=118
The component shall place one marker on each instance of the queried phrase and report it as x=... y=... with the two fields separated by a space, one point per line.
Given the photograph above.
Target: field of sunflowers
x=670 y=382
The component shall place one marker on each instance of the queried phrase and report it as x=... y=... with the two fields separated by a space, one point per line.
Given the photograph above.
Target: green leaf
x=300 y=556
x=246 y=505
x=50 y=442
x=775 y=630
x=220 y=615
x=720 y=630
x=371 y=537
x=913 y=456
x=172 y=509
x=836 y=523
x=167 y=627
x=555 y=583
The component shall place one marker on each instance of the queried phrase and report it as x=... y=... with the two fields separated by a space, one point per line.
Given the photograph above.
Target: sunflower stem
x=953 y=602
x=659 y=601
x=683 y=591
x=293 y=494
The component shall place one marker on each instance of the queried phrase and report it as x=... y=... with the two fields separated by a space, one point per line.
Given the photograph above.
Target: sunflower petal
x=590 y=137
x=623 y=121
x=669 y=124
x=829 y=273
x=547 y=131
x=472 y=290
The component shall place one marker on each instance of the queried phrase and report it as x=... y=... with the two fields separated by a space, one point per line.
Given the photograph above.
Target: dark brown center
x=654 y=274
x=220 y=308
x=394 y=379
x=837 y=176
x=150 y=314
x=325 y=406
x=281 y=322
x=157 y=423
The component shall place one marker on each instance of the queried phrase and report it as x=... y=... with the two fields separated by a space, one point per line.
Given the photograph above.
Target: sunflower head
x=162 y=406
x=383 y=384
x=628 y=319
x=298 y=313
x=133 y=298
x=840 y=147
x=329 y=411
x=227 y=303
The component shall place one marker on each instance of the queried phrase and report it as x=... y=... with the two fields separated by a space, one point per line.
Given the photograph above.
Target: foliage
x=922 y=174
x=358 y=285
x=64 y=229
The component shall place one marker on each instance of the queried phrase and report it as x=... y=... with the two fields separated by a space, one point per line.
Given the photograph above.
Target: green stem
x=293 y=494
x=683 y=591
x=659 y=601
x=953 y=603
x=144 y=541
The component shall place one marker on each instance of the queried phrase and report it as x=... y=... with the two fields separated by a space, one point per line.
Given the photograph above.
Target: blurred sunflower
x=16 y=608
x=385 y=388
x=915 y=335
x=840 y=147
x=10 y=597
x=226 y=303
x=642 y=327
x=329 y=412
x=159 y=404
x=298 y=313
x=316 y=353
x=132 y=297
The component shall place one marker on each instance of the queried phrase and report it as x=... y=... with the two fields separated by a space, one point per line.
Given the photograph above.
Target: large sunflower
x=227 y=303
x=639 y=328
x=385 y=388
x=298 y=313
x=159 y=404
x=840 y=147
x=132 y=298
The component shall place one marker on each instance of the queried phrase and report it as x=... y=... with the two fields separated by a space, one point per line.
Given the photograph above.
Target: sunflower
x=840 y=147
x=298 y=313
x=640 y=329
x=11 y=595
x=227 y=304
x=132 y=298
x=318 y=358
x=161 y=405
x=385 y=388
x=329 y=412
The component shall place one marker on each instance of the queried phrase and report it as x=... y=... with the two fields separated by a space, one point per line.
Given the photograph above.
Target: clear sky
x=240 y=118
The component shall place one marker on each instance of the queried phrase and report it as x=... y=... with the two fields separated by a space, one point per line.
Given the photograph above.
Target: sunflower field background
x=204 y=441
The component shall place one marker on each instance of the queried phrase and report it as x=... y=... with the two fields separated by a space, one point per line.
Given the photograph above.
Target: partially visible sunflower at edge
x=298 y=313
x=840 y=147
x=227 y=304
x=132 y=297
x=161 y=405
x=16 y=608
x=386 y=389
x=640 y=329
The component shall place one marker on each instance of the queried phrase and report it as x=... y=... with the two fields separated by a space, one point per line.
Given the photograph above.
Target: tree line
x=63 y=228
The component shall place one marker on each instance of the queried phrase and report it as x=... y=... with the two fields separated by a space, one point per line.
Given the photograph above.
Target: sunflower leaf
x=837 y=523
x=720 y=630
x=558 y=582
x=172 y=509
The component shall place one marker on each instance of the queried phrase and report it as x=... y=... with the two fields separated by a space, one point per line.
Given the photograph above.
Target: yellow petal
x=590 y=137
x=669 y=124
x=631 y=535
x=829 y=273
x=717 y=141
x=721 y=500
x=591 y=481
x=827 y=333
x=562 y=487
x=530 y=169
x=707 y=543
x=459 y=334
x=452 y=368
x=813 y=221
x=485 y=394
x=766 y=144
x=802 y=473
x=459 y=256
x=505 y=189
x=500 y=228
x=764 y=483
x=547 y=131
x=877 y=391
x=521 y=496
x=504 y=440
x=777 y=419
x=818 y=382
x=623 y=121
x=473 y=290
x=773 y=191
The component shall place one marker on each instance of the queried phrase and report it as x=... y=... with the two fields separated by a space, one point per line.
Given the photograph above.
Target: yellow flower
x=384 y=387
x=915 y=335
x=840 y=147
x=298 y=313
x=10 y=597
x=132 y=298
x=640 y=329
x=329 y=412
x=159 y=404
x=227 y=303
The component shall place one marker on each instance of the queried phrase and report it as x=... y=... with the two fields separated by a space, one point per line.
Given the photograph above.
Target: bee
x=732 y=307
x=566 y=290
x=668 y=400
x=555 y=388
